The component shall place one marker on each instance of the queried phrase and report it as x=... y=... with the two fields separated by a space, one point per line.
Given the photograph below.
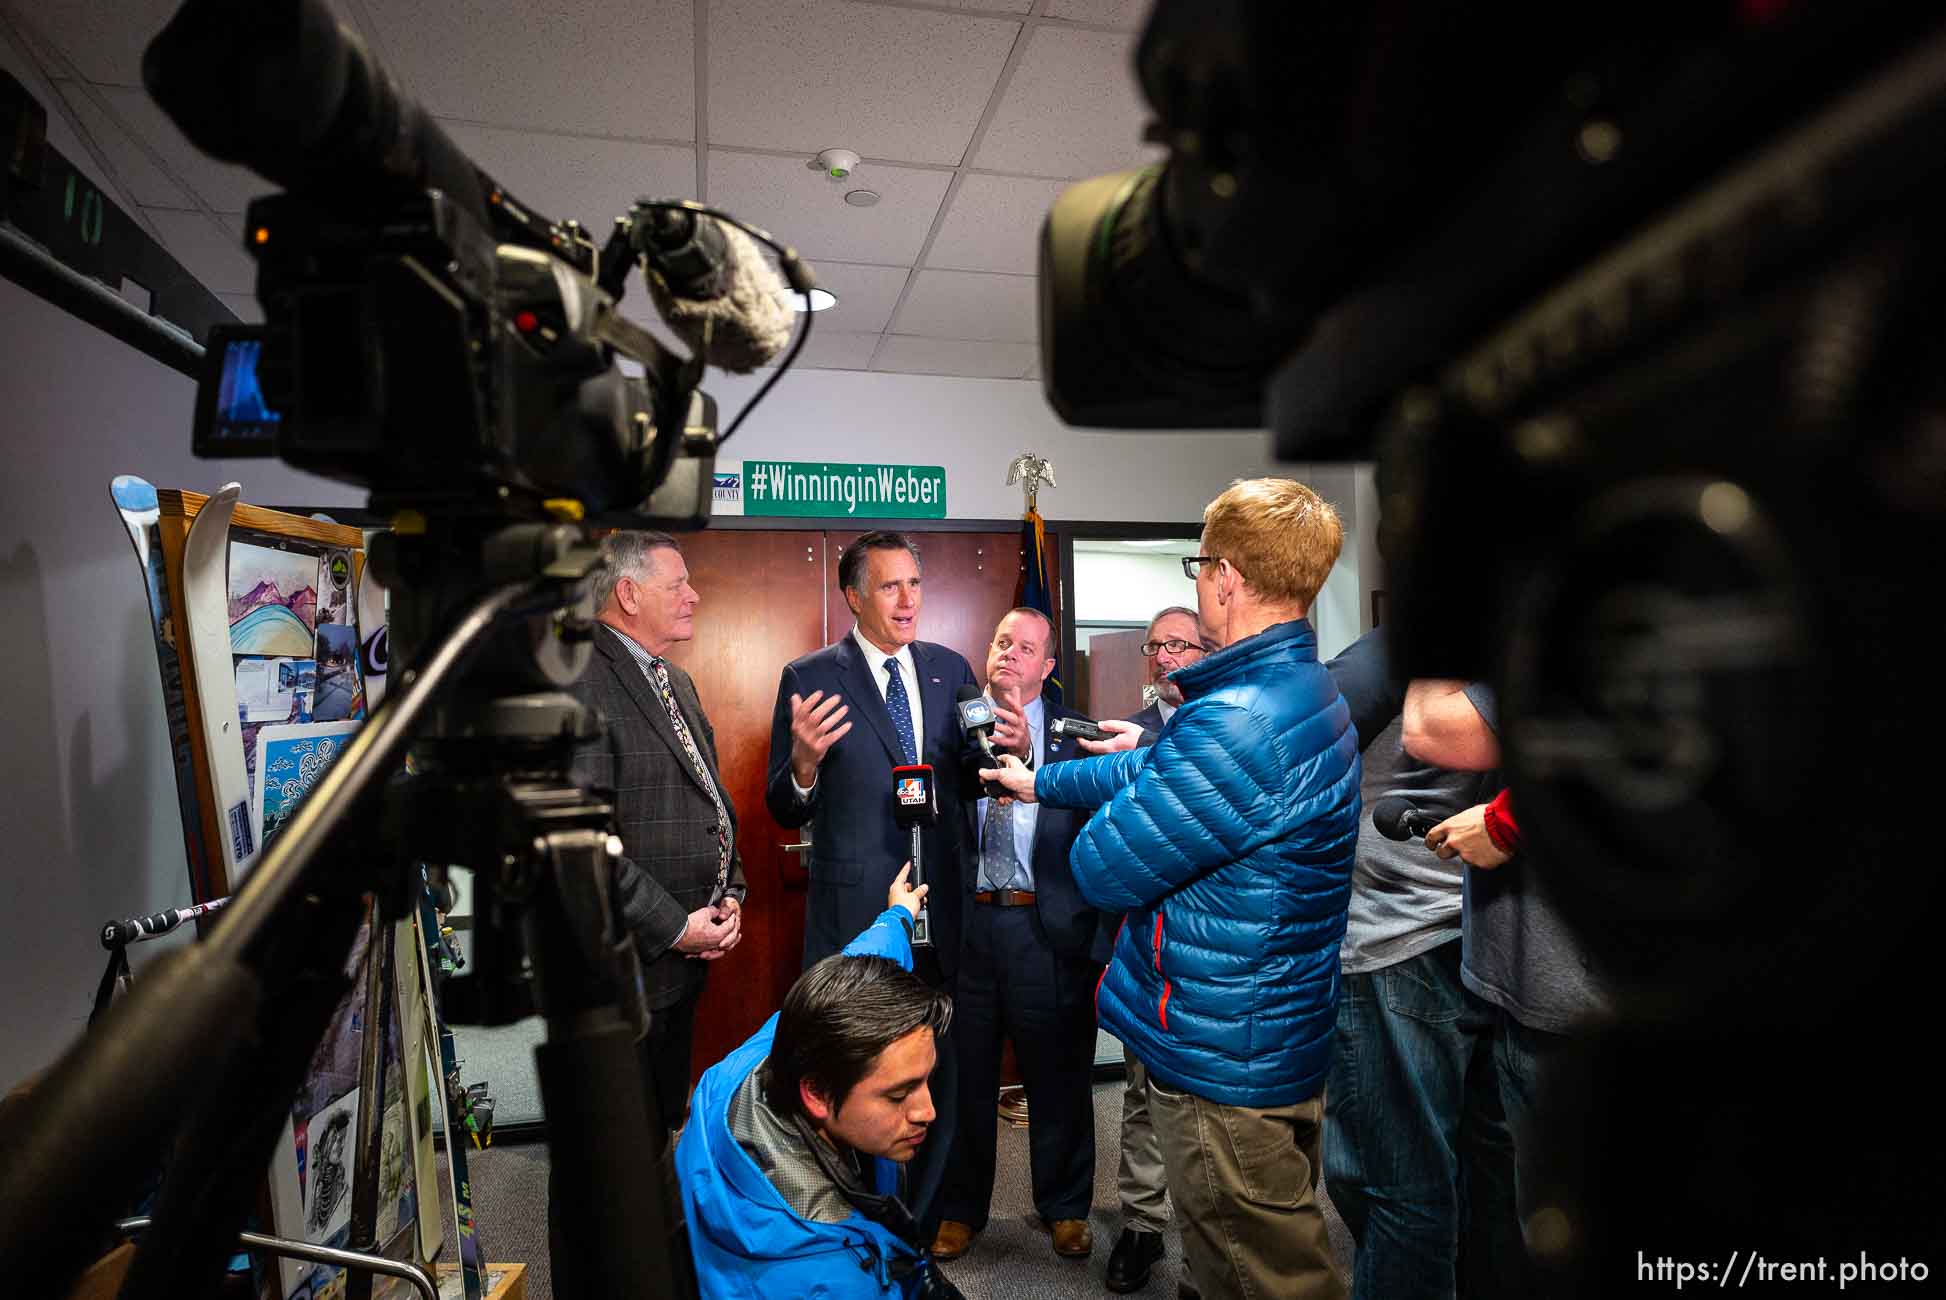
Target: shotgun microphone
x=713 y=287
x=1398 y=819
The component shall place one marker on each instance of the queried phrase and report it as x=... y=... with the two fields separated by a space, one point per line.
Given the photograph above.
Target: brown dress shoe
x=1072 y=1238
x=953 y=1239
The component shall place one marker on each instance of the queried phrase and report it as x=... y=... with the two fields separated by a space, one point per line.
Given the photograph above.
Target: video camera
x=428 y=335
x=1641 y=313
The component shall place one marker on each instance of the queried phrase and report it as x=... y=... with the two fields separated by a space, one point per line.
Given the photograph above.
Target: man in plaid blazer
x=679 y=886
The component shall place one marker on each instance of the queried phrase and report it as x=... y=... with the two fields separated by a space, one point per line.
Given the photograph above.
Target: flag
x=1036 y=589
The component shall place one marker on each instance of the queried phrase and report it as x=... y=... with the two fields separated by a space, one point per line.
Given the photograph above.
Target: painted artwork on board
x=313 y=1169
x=273 y=601
x=290 y=759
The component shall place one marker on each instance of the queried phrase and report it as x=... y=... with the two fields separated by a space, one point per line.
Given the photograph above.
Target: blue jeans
x=1418 y=1158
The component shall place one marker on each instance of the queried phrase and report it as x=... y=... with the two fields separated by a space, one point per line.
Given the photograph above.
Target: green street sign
x=829 y=490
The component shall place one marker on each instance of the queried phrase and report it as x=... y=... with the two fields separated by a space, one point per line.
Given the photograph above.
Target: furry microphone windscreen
x=747 y=324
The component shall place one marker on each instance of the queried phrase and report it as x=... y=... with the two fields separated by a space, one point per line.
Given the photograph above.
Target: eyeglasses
x=1190 y=563
x=1173 y=646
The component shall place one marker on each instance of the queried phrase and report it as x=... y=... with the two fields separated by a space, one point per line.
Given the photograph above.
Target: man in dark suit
x=1025 y=971
x=1173 y=641
x=679 y=886
x=842 y=723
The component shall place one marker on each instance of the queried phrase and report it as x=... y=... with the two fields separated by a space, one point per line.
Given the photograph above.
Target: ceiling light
x=820 y=299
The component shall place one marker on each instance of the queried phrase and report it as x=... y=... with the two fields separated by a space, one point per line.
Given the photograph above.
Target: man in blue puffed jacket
x=1229 y=844
x=792 y=1166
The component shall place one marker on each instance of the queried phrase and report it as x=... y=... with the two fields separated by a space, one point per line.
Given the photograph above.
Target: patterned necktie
x=900 y=708
x=998 y=857
x=660 y=676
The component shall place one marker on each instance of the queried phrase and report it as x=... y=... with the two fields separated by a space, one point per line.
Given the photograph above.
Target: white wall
x=1116 y=587
x=974 y=428
x=88 y=821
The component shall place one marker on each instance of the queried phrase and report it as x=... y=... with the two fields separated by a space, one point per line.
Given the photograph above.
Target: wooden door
x=762 y=606
x=1116 y=673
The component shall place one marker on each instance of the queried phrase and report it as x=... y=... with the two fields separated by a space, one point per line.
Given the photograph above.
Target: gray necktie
x=998 y=858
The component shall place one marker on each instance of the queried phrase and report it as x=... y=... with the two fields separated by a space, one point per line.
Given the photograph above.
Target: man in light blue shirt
x=1025 y=971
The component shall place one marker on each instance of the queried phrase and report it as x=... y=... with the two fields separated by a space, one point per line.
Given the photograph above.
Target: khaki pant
x=1245 y=1185
x=1145 y=1194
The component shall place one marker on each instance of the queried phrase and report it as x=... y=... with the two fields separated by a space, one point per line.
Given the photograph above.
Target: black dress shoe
x=1134 y=1255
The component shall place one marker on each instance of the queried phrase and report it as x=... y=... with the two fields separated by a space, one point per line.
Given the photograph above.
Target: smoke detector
x=836 y=163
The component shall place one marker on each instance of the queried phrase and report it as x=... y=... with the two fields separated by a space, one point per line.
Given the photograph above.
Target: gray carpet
x=1010 y=1259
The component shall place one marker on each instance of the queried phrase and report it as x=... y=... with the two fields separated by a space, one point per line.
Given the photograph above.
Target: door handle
x=796 y=848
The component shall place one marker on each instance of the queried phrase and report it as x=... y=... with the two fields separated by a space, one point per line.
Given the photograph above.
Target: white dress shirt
x=875 y=662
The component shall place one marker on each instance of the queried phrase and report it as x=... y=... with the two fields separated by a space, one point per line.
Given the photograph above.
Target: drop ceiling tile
x=905 y=84
x=866 y=296
x=64 y=131
x=1034 y=371
x=104 y=42
x=992 y=6
x=971 y=305
x=1084 y=81
x=994 y=224
x=141 y=178
x=569 y=176
x=808 y=211
x=1127 y=14
x=223 y=186
x=833 y=350
x=603 y=67
x=953 y=357
x=211 y=252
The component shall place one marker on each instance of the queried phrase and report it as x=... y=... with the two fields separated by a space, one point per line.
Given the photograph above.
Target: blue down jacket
x=1229 y=844
x=747 y=1242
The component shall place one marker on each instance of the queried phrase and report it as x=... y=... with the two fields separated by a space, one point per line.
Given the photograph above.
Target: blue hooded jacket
x=1229 y=843
x=746 y=1240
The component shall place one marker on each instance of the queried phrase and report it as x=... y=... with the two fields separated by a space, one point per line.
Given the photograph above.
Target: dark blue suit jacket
x=857 y=846
x=1069 y=919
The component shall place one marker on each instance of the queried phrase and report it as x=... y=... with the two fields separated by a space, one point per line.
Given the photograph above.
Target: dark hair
x=837 y=1018
x=851 y=565
x=1053 y=645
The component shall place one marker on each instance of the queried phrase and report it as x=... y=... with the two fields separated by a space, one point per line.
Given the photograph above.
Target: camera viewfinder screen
x=232 y=417
x=241 y=413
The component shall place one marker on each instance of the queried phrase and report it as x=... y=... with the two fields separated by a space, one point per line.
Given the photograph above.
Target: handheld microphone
x=915 y=796
x=1398 y=819
x=976 y=720
x=714 y=287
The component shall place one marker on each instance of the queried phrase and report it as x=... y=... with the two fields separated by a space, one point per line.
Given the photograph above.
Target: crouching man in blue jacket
x=792 y=1166
x=1229 y=845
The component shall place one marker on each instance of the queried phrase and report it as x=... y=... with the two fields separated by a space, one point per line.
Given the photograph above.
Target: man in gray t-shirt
x=1518 y=953
x=1416 y=1152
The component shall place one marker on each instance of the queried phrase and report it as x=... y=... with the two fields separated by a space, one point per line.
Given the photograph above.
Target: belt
x=1006 y=897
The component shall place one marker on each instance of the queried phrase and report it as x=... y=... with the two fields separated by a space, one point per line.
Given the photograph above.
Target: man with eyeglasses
x=1173 y=641
x=1229 y=843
